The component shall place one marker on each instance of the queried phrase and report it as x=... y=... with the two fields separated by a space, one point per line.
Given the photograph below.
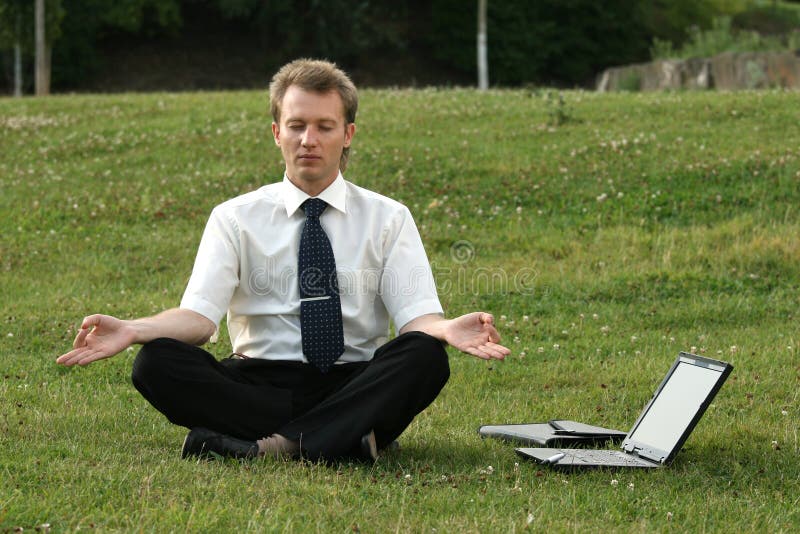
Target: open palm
x=474 y=333
x=100 y=336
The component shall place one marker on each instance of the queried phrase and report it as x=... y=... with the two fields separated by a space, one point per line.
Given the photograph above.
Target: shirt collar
x=335 y=195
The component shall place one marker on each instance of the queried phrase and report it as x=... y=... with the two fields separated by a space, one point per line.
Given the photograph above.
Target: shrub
x=722 y=37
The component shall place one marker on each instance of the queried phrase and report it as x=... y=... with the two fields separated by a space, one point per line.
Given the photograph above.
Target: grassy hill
x=605 y=232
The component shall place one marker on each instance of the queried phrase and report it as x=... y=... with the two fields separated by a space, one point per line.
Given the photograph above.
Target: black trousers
x=327 y=413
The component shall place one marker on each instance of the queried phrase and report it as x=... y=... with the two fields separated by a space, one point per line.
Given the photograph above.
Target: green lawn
x=605 y=232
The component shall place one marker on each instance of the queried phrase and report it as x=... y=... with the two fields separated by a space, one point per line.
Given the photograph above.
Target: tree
x=17 y=27
x=11 y=36
x=86 y=22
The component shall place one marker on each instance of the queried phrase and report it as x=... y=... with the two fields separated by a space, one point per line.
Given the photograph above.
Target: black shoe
x=206 y=443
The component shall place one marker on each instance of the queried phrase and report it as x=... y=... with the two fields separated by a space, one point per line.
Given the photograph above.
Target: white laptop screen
x=675 y=406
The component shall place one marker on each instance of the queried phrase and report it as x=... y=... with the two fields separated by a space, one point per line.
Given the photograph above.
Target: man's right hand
x=100 y=336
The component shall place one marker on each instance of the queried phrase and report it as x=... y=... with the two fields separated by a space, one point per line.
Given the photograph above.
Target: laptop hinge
x=654 y=458
x=643 y=454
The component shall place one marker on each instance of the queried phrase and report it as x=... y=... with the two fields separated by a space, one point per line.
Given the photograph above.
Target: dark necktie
x=320 y=308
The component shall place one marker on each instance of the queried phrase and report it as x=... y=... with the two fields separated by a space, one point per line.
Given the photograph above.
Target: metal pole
x=17 y=70
x=18 y=58
x=483 y=62
x=42 y=87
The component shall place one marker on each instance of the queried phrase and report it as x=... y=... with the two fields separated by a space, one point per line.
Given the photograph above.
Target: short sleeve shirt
x=246 y=266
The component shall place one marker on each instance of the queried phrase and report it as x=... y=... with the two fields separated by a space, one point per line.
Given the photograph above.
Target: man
x=309 y=271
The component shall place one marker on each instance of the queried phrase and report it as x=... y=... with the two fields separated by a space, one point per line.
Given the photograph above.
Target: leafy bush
x=543 y=42
x=561 y=42
x=768 y=20
x=722 y=37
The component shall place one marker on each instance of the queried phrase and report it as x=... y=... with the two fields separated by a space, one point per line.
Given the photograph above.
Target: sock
x=277 y=446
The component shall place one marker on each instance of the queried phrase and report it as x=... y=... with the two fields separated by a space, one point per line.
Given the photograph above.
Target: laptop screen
x=671 y=412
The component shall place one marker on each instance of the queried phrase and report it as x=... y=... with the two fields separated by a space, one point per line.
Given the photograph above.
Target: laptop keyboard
x=591 y=457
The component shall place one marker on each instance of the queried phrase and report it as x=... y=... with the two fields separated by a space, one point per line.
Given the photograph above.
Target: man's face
x=311 y=134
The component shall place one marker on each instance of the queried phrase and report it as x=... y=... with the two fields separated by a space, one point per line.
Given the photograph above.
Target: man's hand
x=473 y=333
x=100 y=336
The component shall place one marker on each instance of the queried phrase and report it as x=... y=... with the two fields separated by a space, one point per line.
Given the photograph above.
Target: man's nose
x=309 y=137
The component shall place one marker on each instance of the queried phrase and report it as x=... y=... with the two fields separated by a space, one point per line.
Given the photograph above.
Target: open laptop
x=662 y=427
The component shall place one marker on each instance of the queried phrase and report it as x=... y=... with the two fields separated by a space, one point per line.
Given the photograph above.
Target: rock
x=727 y=71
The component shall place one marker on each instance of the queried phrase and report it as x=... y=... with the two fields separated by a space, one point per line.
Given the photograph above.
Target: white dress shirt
x=247 y=265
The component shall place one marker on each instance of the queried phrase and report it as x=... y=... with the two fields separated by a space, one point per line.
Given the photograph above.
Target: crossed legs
x=326 y=415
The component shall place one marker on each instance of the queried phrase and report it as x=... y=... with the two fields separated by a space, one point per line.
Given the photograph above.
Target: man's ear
x=349 y=132
x=276 y=133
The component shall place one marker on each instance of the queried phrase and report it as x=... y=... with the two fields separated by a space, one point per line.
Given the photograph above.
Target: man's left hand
x=473 y=333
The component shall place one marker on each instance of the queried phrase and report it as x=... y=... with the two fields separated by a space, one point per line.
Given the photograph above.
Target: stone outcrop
x=728 y=71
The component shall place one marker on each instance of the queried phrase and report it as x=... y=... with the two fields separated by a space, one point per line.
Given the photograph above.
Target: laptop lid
x=677 y=406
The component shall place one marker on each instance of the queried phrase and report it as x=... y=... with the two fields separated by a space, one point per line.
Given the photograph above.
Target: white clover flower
x=614 y=482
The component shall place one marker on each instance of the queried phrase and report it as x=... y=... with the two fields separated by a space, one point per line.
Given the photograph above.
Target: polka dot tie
x=320 y=308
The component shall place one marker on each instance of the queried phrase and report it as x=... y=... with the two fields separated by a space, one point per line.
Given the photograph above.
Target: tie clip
x=311 y=299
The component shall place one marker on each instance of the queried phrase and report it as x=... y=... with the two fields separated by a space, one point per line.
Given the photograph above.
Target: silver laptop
x=662 y=427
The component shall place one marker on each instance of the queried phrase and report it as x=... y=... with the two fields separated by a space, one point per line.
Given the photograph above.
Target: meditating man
x=309 y=272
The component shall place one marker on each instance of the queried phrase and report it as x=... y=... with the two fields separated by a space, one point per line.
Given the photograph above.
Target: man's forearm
x=473 y=333
x=432 y=324
x=176 y=323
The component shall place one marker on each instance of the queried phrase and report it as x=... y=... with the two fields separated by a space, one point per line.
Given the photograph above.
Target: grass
x=634 y=226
